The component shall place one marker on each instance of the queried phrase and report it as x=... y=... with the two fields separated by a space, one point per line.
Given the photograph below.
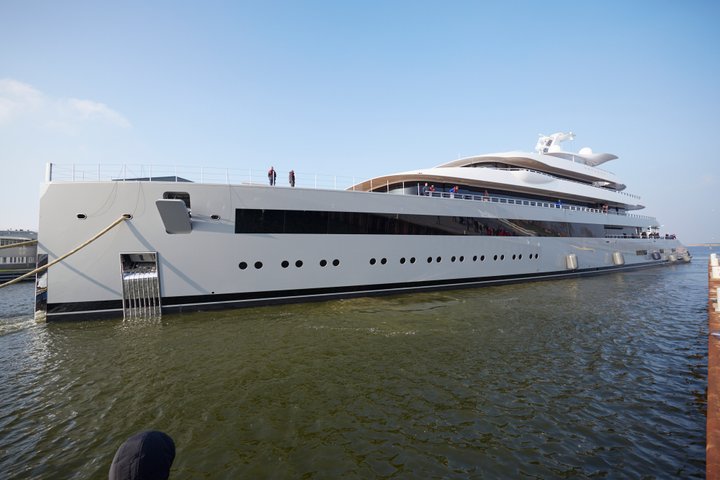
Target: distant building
x=16 y=261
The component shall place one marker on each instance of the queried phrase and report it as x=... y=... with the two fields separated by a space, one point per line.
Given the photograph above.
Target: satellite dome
x=585 y=151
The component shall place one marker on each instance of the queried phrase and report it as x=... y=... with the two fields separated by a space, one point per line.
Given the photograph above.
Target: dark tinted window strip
x=364 y=223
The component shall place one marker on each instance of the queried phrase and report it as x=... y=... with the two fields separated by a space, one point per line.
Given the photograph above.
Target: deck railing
x=227 y=176
x=532 y=203
x=248 y=176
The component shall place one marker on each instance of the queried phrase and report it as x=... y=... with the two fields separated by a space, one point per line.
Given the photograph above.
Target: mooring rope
x=19 y=244
x=74 y=250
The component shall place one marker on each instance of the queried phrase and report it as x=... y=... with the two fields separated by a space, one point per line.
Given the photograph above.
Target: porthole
x=323 y=262
x=336 y=262
x=402 y=261
x=372 y=261
x=429 y=259
x=482 y=258
x=452 y=259
x=81 y=216
x=536 y=256
x=495 y=258
x=502 y=257
x=412 y=259
x=474 y=258
x=462 y=259
x=242 y=265
x=438 y=259
x=514 y=256
x=215 y=217
x=383 y=261
x=299 y=263
x=258 y=265
x=285 y=264
x=520 y=257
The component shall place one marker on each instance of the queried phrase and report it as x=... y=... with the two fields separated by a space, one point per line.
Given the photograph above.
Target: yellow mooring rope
x=74 y=250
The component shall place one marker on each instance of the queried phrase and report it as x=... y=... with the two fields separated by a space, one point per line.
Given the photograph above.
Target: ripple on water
x=602 y=376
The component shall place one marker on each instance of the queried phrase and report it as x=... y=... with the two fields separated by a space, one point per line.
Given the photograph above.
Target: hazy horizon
x=363 y=89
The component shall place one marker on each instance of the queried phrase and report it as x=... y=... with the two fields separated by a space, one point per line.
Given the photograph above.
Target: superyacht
x=146 y=244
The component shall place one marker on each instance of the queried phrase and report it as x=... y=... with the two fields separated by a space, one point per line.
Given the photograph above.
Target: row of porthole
x=82 y=216
x=285 y=264
x=324 y=263
x=453 y=259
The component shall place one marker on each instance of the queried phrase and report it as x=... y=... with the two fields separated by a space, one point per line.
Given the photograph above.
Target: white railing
x=248 y=176
x=531 y=203
x=227 y=176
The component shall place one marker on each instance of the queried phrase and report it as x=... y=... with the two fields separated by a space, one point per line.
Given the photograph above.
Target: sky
x=364 y=88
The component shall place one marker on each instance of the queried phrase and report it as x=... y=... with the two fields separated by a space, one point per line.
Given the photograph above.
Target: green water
x=601 y=376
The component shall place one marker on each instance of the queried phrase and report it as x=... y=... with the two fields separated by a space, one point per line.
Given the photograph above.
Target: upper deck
x=57 y=173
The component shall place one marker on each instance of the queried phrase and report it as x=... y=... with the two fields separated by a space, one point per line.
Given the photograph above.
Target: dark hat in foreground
x=145 y=455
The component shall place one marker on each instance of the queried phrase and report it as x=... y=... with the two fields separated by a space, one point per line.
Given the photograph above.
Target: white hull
x=200 y=269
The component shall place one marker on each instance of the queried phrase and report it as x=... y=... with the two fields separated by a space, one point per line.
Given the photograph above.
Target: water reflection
x=560 y=378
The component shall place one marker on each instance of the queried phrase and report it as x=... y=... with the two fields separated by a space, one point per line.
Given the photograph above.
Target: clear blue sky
x=364 y=88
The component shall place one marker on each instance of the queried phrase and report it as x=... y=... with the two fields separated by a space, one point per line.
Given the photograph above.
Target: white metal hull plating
x=202 y=269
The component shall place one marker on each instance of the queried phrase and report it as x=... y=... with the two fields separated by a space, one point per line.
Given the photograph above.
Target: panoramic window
x=363 y=223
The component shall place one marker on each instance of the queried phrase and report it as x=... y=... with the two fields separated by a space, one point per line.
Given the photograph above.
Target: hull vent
x=141 y=286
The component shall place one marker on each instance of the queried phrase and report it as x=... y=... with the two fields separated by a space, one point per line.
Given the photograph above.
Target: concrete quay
x=712 y=449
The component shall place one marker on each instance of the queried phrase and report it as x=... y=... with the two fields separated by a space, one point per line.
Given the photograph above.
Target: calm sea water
x=595 y=377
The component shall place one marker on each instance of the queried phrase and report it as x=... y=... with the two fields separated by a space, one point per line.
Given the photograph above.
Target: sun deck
x=258 y=177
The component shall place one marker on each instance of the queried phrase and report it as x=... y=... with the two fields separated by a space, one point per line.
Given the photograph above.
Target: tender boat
x=146 y=243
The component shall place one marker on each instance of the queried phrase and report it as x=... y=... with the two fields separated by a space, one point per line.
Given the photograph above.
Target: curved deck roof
x=572 y=176
x=560 y=164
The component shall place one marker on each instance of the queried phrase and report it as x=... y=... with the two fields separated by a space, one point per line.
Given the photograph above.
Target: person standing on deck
x=291 y=178
x=272 y=175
